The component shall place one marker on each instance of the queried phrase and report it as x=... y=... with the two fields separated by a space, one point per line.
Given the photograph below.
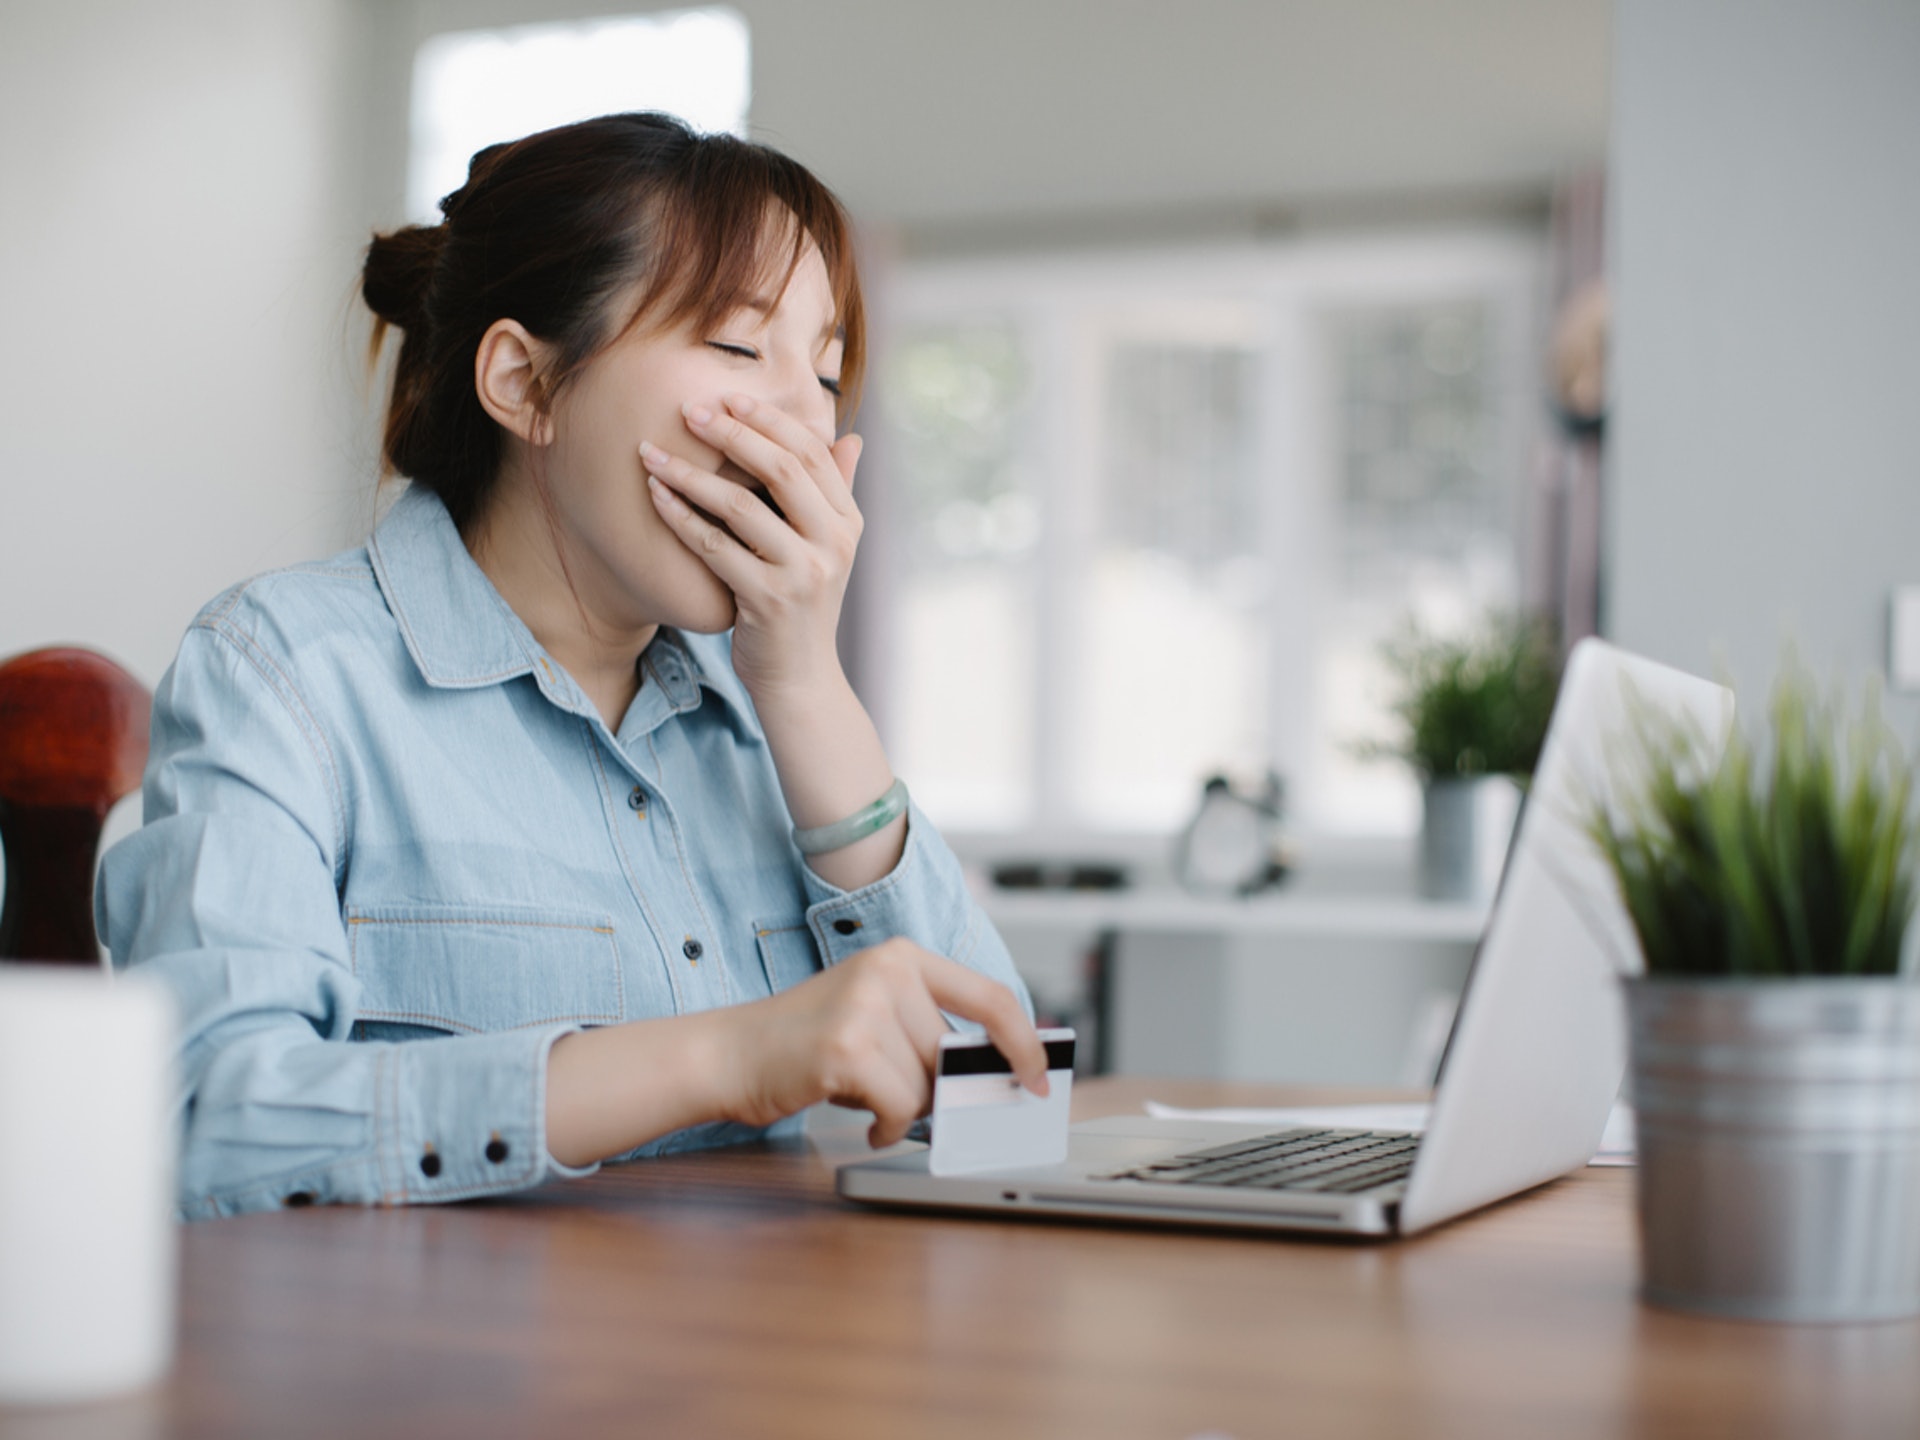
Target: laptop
x=1532 y=1068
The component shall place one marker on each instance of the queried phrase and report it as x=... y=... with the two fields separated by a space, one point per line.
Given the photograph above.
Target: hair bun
x=479 y=170
x=399 y=272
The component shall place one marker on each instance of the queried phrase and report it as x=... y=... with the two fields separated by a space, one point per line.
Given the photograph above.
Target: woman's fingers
x=742 y=514
x=968 y=993
x=846 y=456
x=788 y=474
x=869 y=1060
x=735 y=565
x=822 y=458
x=902 y=1089
x=898 y=1044
x=796 y=464
x=924 y=1025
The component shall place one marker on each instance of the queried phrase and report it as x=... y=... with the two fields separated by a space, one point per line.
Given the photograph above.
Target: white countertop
x=1280 y=912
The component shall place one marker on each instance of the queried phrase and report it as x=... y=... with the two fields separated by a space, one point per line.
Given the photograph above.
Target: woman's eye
x=745 y=352
x=830 y=385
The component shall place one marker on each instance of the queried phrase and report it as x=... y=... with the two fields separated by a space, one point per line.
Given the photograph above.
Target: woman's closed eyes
x=747 y=352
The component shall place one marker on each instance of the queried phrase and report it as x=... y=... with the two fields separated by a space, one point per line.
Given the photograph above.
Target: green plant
x=1793 y=861
x=1476 y=705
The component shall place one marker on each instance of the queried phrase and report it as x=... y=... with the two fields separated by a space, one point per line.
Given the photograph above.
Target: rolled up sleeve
x=925 y=899
x=230 y=894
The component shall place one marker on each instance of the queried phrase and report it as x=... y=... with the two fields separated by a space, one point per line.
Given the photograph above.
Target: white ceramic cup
x=87 y=1151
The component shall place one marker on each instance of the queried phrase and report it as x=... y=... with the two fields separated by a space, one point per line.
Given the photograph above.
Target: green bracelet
x=857 y=826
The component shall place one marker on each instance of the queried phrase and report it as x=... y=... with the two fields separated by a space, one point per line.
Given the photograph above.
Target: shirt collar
x=710 y=658
x=459 y=631
x=462 y=635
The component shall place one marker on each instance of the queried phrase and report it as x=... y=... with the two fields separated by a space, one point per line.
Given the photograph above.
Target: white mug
x=88 y=1245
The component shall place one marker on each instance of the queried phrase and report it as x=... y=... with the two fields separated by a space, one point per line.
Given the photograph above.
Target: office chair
x=73 y=741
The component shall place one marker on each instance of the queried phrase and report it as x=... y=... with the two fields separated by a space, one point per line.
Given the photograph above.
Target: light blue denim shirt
x=392 y=852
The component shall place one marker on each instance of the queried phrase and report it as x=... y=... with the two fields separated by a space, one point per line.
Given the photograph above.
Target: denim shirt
x=392 y=852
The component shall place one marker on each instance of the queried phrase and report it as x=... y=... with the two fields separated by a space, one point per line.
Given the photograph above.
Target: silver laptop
x=1532 y=1068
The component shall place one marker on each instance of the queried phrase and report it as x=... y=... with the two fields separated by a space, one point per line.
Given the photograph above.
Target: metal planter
x=1465 y=835
x=1779 y=1134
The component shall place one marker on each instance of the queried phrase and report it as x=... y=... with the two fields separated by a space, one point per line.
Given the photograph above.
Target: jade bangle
x=857 y=826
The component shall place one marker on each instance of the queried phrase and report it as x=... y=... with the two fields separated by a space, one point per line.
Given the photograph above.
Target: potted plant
x=1775 y=1043
x=1475 y=710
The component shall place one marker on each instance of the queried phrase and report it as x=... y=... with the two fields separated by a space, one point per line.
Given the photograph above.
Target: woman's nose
x=802 y=396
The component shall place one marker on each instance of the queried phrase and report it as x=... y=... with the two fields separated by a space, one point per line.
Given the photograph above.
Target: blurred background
x=1213 y=342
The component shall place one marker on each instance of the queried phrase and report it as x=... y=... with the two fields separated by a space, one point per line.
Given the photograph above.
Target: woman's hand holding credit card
x=868 y=1033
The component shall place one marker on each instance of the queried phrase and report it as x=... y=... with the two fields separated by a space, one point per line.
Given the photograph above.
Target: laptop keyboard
x=1329 y=1162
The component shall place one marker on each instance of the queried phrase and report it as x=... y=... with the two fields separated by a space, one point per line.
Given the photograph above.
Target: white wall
x=176 y=401
x=1765 y=458
x=984 y=116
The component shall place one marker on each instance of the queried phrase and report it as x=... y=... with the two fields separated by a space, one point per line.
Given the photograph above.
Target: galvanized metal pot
x=1465 y=835
x=1779 y=1132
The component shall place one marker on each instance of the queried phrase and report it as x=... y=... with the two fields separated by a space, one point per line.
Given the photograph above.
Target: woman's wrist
x=612 y=1089
x=831 y=765
x=804 y=682
x=801 y=693
x=826 y=750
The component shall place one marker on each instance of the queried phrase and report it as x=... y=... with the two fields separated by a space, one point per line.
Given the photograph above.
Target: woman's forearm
x=831 y=764
x=610 y=1090
x=862 y=1033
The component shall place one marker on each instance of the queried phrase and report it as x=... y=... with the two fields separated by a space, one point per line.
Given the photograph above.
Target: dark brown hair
x=550 y=231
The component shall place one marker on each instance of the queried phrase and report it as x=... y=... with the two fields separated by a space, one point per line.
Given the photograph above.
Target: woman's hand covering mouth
x=730 y=471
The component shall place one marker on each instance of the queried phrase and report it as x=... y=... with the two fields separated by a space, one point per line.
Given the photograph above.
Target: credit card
x=985 y=1119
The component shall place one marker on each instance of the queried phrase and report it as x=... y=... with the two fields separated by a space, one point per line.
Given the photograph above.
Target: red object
x=73 y=741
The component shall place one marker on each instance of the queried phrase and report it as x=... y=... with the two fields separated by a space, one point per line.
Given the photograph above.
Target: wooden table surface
x=732 y=1293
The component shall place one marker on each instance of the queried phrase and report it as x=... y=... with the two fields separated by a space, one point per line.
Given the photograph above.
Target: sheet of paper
x=1616 y=1141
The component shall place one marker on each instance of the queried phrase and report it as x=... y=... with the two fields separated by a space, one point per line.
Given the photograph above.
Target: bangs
x=730 y=227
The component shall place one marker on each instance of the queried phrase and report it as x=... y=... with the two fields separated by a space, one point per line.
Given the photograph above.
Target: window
x=967 y=528
x=1427 y=509
x=1173 y=581
x=476 y=88
x=1150 y=517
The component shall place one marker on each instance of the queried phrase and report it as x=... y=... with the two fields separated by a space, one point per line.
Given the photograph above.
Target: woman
x=485 y=852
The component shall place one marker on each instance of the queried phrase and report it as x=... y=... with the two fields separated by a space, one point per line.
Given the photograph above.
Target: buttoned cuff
x=451 y=1119
x=466 y=1117
x=923 y=898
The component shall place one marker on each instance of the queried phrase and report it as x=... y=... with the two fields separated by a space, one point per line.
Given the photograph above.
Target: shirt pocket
x=787 y=951
x=470 y=971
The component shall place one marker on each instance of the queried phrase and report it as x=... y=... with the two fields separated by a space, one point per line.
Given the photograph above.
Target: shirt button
x=636 y=799
x=845 y=927
x=692 y=949
x=430 y=1164
x=496 y=1150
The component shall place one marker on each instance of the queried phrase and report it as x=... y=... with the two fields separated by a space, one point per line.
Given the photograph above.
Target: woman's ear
x=506 y=377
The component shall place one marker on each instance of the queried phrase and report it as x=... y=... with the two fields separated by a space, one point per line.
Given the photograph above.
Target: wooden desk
x=732 y=1294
